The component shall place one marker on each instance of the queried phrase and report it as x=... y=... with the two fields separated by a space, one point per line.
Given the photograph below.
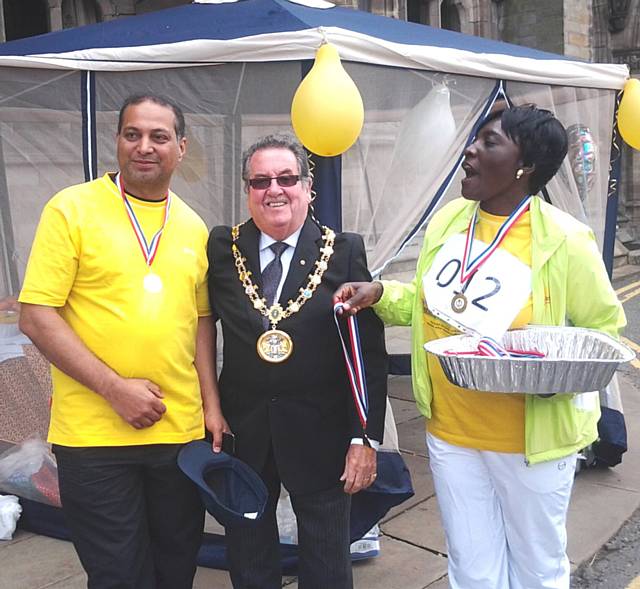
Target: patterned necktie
x=272 y=273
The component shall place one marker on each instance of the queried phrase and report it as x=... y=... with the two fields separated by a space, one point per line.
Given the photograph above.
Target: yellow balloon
x=327 y=111
x=629 y=113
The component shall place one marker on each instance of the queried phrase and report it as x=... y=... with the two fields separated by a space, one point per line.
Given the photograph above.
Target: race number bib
x=488 y=302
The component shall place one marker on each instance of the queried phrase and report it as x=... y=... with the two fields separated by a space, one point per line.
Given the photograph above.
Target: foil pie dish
x=576 y=360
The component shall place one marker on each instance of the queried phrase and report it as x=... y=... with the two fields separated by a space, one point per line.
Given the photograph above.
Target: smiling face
x=148 y=149
x=277 y=211
x=490 y=165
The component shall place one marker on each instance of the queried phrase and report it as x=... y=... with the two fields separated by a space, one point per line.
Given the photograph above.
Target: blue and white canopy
x=234 y=67
x=281 y=30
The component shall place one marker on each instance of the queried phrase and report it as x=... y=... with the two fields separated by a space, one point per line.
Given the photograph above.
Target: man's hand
x=356 y=296
x=359 y=468
x=215 y=423
x=137 y=401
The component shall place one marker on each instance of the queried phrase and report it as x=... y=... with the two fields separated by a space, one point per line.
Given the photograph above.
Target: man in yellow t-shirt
x=115 y=297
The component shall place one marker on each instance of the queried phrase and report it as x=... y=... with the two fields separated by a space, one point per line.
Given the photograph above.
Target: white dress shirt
x=266 y=255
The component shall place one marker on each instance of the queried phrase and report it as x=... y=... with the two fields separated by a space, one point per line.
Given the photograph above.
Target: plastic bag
x=10 y=511
x=29 y=470
x=367 y=547
x=287 y=523
x=391 y=487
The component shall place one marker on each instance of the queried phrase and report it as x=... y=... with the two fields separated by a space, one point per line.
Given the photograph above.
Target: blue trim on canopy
x=245 y=18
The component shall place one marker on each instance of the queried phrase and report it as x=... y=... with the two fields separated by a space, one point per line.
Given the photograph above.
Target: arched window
x=449 y=16
x=25 y=18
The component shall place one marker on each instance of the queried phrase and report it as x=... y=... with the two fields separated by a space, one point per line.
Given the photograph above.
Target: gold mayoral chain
x=275 y=345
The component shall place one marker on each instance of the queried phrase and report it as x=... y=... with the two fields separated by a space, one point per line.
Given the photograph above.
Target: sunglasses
x=285 y=181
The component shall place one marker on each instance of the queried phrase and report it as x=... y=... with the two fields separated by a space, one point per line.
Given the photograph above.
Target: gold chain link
x=276 y=313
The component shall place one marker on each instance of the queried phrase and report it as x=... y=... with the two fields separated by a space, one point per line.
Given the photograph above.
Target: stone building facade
x=593 y=30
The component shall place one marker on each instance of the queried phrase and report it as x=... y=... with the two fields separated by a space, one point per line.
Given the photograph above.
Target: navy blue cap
x=231 y=490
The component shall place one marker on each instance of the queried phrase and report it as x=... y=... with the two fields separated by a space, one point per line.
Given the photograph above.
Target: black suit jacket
x=302 y=407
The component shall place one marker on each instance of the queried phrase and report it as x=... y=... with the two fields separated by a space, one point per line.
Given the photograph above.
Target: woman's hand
x=356 y=296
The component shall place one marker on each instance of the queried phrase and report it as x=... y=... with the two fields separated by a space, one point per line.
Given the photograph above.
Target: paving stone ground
x=413 y=550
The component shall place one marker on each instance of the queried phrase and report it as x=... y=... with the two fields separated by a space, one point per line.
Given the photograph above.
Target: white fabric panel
x=592 y=110
x=405 y=151
x=416 y=124
x=352 y=46
x=40 y=153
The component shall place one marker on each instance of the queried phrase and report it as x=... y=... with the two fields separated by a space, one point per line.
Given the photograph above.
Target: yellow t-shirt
x=86 y=261
x=473 y=419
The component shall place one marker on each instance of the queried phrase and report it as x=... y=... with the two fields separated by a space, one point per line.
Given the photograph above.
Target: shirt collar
x=267 y=240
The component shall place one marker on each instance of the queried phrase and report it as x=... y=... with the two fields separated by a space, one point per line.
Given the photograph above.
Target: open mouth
x=468 y=170
x=276 y=204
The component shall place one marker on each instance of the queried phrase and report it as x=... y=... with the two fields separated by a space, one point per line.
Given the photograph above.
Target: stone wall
x=533 y=24
x=557 y=26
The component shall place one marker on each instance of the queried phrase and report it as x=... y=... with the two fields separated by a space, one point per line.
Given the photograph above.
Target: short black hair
x=278 y=141
x=541 y=137
x=179 y=123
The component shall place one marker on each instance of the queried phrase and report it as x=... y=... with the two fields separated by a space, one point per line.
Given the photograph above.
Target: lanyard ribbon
x=149 y=250
x=470 y=266
x=355 y=367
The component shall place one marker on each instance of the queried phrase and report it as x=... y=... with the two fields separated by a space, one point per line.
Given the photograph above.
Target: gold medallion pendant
x=274 y=346
x=459 y=303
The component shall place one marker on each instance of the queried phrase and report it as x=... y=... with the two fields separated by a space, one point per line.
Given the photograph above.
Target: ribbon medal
x=152 y=283
x=470 y=266
x=354 y=362
x=478 y=287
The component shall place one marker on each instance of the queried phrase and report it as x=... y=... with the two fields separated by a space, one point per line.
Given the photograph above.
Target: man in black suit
x=284 y=388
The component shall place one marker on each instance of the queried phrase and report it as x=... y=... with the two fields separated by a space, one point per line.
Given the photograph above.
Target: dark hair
x=278 y=141
x=540 y=136
x=179 y=124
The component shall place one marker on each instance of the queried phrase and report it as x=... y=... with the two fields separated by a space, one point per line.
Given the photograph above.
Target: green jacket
x=569 y=286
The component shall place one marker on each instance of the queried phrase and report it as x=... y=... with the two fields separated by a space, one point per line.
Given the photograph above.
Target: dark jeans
x=135 y=519
x=324 y=560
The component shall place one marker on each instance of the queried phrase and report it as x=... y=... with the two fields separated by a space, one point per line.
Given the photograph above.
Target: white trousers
x=504 y=521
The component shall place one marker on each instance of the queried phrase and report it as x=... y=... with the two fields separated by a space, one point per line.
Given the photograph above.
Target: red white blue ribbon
x=470 y=266
x=149 y=250
x=355 y=366
x=487 y=346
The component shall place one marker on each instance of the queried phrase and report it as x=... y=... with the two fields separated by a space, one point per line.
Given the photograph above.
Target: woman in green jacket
x=494 y=260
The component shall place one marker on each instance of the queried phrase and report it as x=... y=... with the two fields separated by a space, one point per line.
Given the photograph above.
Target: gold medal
x=274 y=346
x=459 y=303
x=152 y=283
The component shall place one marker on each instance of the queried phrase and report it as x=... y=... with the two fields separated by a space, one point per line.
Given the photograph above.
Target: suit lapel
x=303 y=261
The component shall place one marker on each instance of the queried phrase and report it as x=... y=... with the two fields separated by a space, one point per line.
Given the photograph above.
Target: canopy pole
x=327 y=181
x=89 y=143
x=327 y=176
x=611 y=213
